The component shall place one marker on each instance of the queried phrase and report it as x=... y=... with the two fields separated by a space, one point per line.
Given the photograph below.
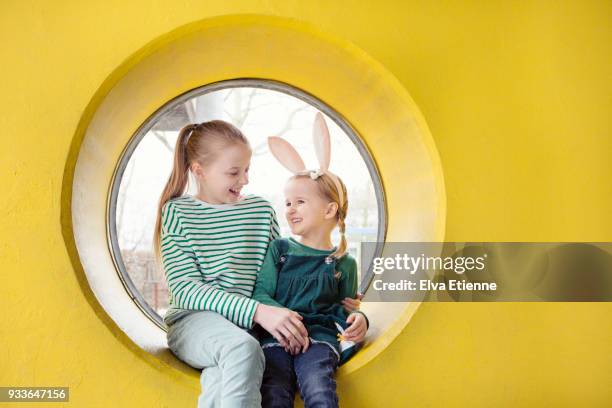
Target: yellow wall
x=517 y=98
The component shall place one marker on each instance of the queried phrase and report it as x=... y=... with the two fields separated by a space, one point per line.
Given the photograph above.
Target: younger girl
x=312 y=277
x=212 y=246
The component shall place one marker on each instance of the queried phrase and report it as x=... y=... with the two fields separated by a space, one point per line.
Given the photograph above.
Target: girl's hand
x=295 y=350
x=357 y=328
x=352 y=305
x=285 y=325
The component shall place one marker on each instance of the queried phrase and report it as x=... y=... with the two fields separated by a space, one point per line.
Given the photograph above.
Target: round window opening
x=259 y=109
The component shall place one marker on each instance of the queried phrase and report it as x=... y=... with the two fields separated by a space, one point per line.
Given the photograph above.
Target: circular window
x=260 y=108
x=109 y=217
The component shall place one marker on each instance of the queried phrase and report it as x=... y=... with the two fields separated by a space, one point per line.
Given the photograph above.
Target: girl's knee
x=247 y=347
x=252 y=347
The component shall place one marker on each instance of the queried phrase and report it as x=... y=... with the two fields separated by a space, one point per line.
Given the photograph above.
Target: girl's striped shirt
x=211 y=255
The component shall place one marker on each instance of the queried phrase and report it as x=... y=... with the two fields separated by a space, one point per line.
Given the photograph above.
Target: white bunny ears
x=286 y=154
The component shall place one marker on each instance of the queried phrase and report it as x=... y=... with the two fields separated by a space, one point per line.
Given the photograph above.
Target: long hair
x=328 y=189
x=196 y=143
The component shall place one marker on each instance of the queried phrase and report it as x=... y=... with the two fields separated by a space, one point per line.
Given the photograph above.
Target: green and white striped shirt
x=211 y=255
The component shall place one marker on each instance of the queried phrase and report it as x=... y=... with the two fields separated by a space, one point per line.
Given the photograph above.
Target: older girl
x=212 y=246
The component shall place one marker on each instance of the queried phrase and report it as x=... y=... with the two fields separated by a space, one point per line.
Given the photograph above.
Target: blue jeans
x=311 y=372
x=232 y=359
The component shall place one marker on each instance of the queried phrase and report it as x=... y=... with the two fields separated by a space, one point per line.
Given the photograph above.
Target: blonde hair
x=329 y=190
x=196 y=143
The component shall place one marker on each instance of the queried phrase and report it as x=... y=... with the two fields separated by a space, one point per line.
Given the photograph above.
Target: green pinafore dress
x=308 y=284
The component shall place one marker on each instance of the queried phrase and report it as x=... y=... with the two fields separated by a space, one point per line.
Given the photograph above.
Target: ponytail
x=177 y=182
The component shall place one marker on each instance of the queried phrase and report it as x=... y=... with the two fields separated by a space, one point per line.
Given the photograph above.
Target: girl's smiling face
x=221 y=181
x=306 y=211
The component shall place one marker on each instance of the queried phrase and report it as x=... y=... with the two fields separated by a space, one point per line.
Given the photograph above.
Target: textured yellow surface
x=517 y=99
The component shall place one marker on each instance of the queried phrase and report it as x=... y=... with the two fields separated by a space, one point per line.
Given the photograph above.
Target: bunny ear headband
x=286 y=154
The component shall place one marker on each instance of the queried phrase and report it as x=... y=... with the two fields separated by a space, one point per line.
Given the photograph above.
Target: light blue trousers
x=231 y=359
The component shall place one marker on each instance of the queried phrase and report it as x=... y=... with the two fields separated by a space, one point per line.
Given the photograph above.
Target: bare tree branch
x=159 y=136
x=289 y=122
x=247 y=110
x=190 y=108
